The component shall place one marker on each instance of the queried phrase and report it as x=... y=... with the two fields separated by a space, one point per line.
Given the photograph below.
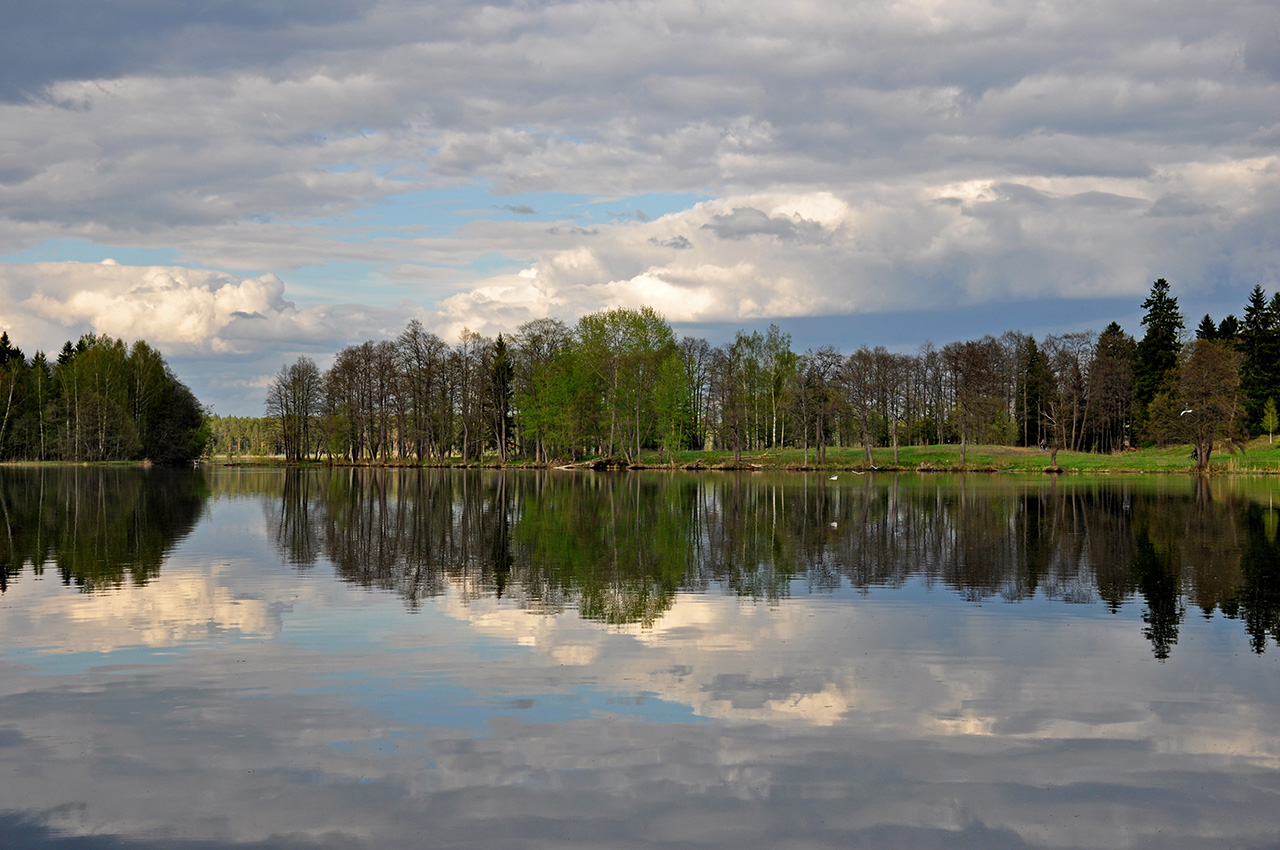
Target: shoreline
x=986 y=460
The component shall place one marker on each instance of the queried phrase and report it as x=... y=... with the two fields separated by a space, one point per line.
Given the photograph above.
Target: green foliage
x=1157 y=352
x=1270 y=421
x=1259 y=342
x=100 y=401
x=618 y=387
x=97 y=526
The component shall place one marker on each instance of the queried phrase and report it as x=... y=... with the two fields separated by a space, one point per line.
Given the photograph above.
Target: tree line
x=619 y=382
x=99 y=400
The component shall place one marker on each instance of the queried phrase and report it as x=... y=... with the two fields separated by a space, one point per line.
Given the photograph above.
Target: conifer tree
x=1229 y=329
x=1259 y=343
x=1207 y=329
x=1157 y=353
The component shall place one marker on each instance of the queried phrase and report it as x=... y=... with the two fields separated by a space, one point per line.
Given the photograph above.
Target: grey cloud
x=1262 y=51
x=13 y=175
x=240 y=314
x=44 y=43
x=190 y=127
x=576 y=230
x=899 y=99
x=639 y=215
x=746 y=222
x=1022 y=194
x=1105 y=199
x=1177 y=205
x=678 y=243
x=518 y=209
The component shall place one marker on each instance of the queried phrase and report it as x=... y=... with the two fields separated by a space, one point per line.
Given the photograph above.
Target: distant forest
x=619 y=382
x=99 y=401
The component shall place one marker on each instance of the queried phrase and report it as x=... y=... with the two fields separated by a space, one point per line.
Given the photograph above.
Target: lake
x=398 y=658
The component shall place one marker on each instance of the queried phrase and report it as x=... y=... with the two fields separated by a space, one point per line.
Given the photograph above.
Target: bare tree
x=857 y=381
x=819 y=371
x=420 y=358
x=1069 y=357
x=293 y=397
x=974 y=371
x=894 y=371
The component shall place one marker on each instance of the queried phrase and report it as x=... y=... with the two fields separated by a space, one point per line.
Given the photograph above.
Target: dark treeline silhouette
x=100 y=400
x=619 y=382
x=619 y=548
x=95 y=525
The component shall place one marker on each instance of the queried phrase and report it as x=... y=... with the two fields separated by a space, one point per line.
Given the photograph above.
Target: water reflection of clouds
x=179 y=607
x=346 y=721
x=820 y=732
x=825 y=664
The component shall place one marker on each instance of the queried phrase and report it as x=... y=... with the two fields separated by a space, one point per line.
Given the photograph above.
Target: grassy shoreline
x=1259 y=458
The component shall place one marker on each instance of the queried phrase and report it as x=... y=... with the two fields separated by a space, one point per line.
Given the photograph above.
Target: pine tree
x=1037 y=386
x=1207 y=329
x=1111 y=389
x=1157 y=353
x=1259 y=343
x=1229 y=329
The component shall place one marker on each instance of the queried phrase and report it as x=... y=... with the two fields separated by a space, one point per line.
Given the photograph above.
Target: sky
x=242 y=183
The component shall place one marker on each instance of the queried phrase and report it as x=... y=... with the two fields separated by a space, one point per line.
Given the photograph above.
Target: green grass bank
x=1260 y=457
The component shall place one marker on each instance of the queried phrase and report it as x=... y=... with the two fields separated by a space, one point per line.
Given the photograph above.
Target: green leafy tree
x=624 y=351
x=13 y=375
x=1269 y=419
x=673 y=400
x=541 y=369
x=779 y=366
x=1202 y=406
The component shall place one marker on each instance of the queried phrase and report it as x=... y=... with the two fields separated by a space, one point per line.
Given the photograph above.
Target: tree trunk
x=1203 y=450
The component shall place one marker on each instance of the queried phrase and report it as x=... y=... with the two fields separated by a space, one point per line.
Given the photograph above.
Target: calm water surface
x=384 y=659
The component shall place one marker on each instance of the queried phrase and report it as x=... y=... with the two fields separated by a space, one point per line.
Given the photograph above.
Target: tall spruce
x=1157 y=353
x=1111 y=389
x=502 y=389
x=1036 y=387
x=1229 y=329
x=1259 y=343
x=1207 y=329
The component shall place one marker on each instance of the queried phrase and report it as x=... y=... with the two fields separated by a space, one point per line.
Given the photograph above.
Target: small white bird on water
x=834 y=477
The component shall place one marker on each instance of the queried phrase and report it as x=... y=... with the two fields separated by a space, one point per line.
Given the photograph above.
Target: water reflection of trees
x=619 y=547
x=95 y=525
